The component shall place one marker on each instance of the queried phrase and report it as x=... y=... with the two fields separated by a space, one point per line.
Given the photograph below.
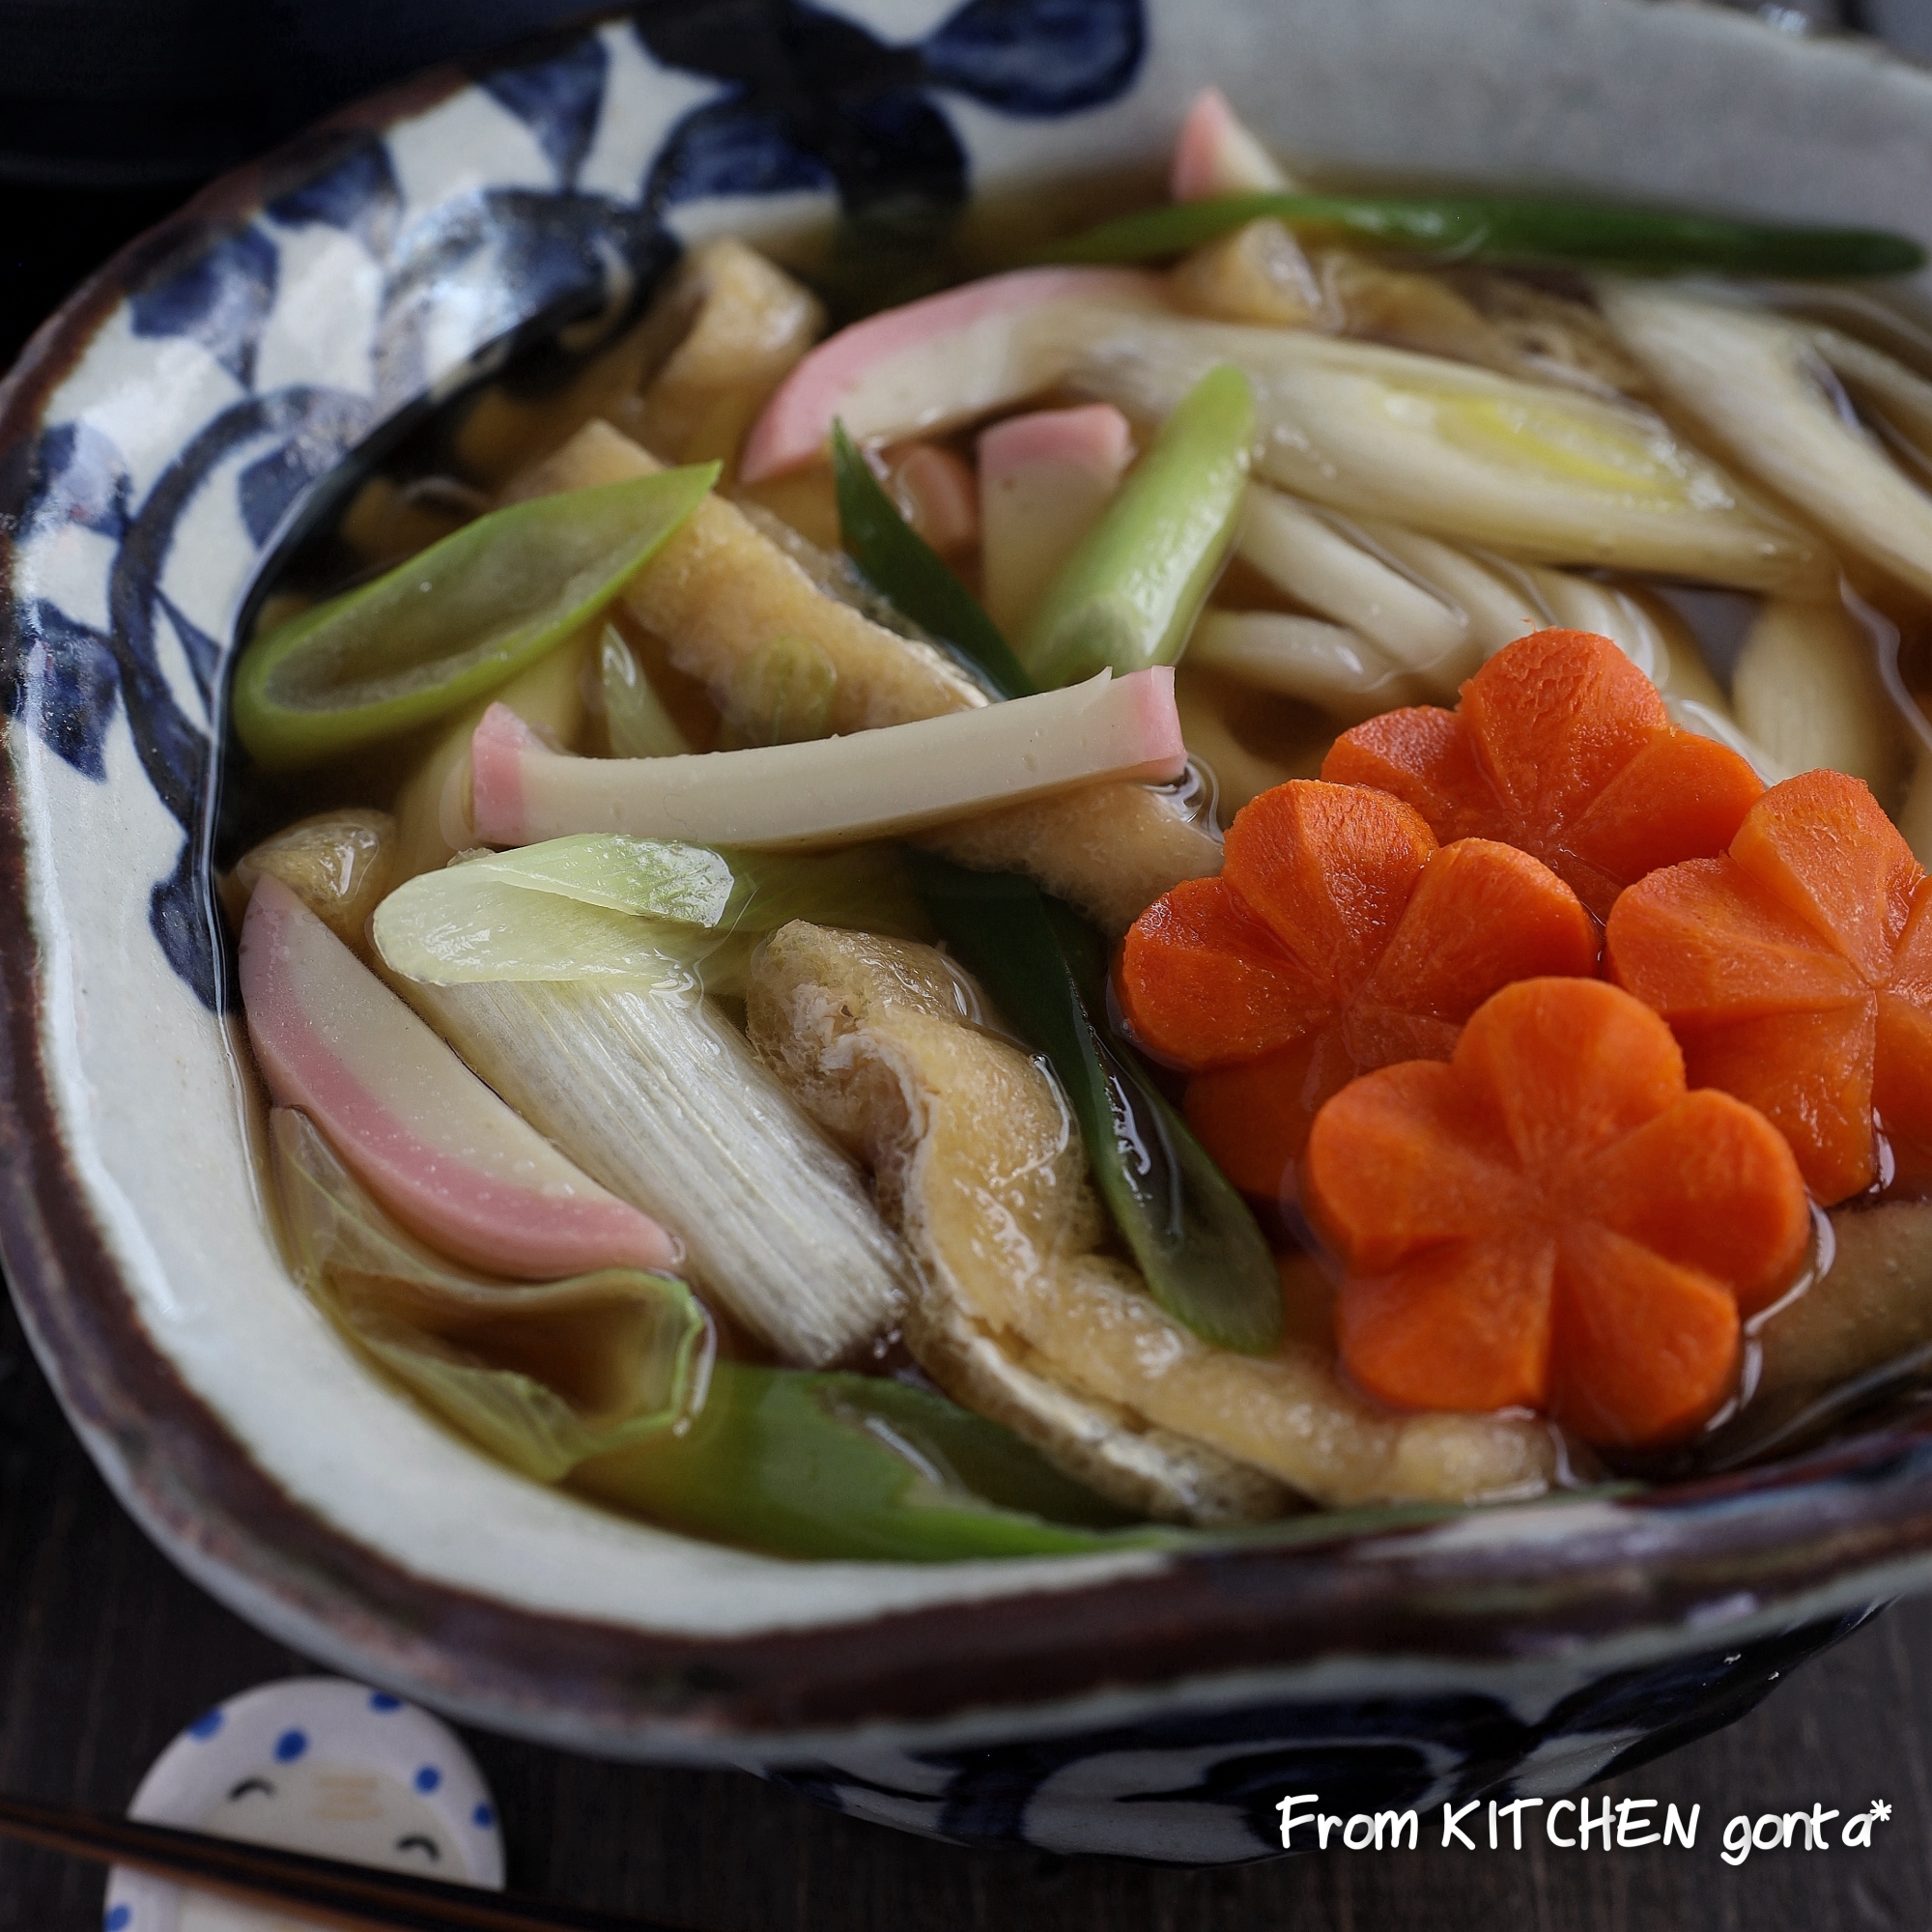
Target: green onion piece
x=862 y=888
x=658 y=877
x=450 y=625
x=907 y=572
x=843 y=1465
x=541 y=1377
x=1191 y=1234
x=634 y=714
x=1130 y=595
x=1502 y=228
x=603 y=907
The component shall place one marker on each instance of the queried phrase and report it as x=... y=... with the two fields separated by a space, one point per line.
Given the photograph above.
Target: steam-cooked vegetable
x=1129 y=596
x=1561 y=748
x=897 y=562
x=1195 y=1243
x=1258 y=274
x=657 y=878
x=453 y=623
x=1551 y=1221
x=930 y=364
x=428 y=1138
x=1322 y=664
x=616 y=908
x=853 y=1467
x=1806 y=687
x=1340 y=937
x=657 y=1096
x=634 y=718
x=340 y=864
x=1504 y=228
x=1018 y=1312
x=541 y=1377
x=1304 y=553
x=1537 y=471
x=866 y=786
x=1759 y=382
x=1792 y=968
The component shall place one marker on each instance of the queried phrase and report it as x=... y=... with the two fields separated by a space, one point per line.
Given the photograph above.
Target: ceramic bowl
x=172 y=427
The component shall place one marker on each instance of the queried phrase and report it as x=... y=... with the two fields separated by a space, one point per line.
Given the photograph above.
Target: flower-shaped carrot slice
x=1796 y=970
x=1338 y=937
x=1552 y=1220
x=1561 y=748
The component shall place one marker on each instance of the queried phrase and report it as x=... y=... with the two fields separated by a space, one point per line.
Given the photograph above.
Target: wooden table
x=105 y=1652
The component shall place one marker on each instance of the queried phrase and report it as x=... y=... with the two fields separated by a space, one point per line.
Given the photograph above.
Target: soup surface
x=1257 y=868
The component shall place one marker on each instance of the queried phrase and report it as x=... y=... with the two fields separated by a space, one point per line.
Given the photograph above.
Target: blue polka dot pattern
x=290 y=1746
x=206 y=1725
x=428 y=1778
x=482 y=1817
x=381 y=1700
x=118 y=1918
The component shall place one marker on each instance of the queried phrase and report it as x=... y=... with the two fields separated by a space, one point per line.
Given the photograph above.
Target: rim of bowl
x=1690 y=1565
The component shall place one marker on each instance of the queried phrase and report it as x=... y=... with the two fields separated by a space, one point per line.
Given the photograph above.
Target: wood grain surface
x=105 y=1652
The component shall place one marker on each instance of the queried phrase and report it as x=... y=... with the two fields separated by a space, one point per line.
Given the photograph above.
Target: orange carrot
x=1552 y=1220
x=1338 y=937
x=1796 y=972
x=1562 y=748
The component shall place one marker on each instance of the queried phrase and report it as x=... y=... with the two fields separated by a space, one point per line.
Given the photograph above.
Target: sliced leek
x=1337 y=574
x=1757 y=381
x=635 y=717
x=1537 y=471
x=658 y=1098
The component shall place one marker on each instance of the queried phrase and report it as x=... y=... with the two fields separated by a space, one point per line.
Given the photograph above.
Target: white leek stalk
x=1303 y=552
x=1324 y=665
x=453 y=929
x=660 y=1100
x=609 y=907
x=1807 y=689
x=659 y=877
x=1757 y=383
x=1541 y=472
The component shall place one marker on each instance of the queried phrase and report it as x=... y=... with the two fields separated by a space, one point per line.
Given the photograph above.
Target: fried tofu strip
x=721 y=591
x=978 y=1166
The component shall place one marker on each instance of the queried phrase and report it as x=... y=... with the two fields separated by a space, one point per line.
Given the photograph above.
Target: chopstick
x=353 y=1897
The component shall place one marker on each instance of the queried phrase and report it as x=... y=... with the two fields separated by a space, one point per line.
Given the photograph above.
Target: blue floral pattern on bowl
x=809 y=100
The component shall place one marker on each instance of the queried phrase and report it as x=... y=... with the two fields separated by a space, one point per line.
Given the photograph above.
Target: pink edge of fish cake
x=1158 y=722
x=496 y=750
x=797 y=421
x=1215 y=153
x=302 y=989
x=1095 y=436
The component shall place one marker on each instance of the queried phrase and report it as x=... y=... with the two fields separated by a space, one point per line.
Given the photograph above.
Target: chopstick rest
x=322 y=1766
